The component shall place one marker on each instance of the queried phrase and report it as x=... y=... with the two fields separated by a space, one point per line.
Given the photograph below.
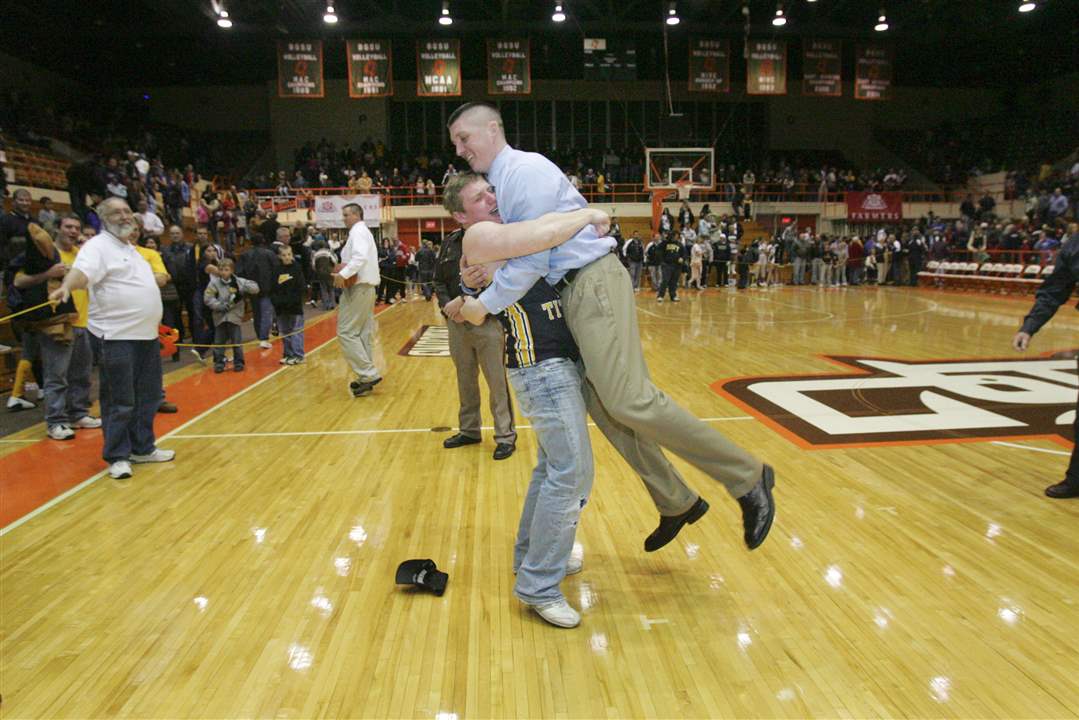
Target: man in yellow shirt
x=81 y=364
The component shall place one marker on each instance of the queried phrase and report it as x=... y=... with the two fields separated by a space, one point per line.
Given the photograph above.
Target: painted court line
x=1028 y=447
x=171 y=434
x=313 y=433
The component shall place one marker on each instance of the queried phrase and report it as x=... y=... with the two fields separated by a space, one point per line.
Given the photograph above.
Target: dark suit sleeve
x=1054 y=292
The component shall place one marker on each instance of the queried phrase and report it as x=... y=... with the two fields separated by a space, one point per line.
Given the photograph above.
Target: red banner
x=884 y=206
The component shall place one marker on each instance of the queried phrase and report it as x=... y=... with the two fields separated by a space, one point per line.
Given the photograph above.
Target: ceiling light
x=882 y=22
x=779 y=20
x=558 y=16
x=672 y=14
x=445 y=18
x=330 y=17
x=1027 y=6
x=223 y=19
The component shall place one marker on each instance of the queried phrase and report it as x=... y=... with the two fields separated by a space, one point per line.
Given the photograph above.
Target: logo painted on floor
x=428 y=341
x=887 y=401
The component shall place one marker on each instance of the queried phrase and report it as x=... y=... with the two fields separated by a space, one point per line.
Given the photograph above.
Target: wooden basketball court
x=920 y=573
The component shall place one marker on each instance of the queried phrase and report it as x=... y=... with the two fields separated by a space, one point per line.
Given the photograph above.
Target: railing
x=302 y=198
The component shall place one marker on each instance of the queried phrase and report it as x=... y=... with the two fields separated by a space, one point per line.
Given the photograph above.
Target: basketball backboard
x=671 y=168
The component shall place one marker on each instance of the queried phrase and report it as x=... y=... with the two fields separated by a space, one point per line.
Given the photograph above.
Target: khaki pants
x=636 y=416
x=474 y=348
x=356 y=330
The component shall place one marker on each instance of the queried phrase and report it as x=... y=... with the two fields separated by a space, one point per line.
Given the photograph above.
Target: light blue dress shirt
x=527 y=186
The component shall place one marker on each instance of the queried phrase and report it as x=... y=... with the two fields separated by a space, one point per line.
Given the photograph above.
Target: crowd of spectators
x=418 y=177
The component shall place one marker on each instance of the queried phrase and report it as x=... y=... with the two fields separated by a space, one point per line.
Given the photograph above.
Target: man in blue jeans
x=125 y=310
x=636 y=416
x=542 y=364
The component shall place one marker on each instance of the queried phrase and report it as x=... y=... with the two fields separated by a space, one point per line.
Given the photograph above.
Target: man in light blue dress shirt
x=598 y=301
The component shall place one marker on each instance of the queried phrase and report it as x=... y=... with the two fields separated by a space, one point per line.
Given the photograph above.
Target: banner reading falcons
x=299 y=69
x=328 y=209
x=709 y=65
x=873 y=73
x=874 y=206
x=766 y=67
x=370 y=68
x=438 y=68
x=509 y=67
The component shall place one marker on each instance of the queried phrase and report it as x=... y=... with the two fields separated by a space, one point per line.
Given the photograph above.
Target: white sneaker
x=295 y=361
x=86 y=423
x=558 y=613
x=198 y=356
x=284 y=361
x=17 y=403
x=575 y=565
x=60 y=432
x=120 y=469
x=34 y=390
x=157 y=456
x=265 y=345
x=659 y=299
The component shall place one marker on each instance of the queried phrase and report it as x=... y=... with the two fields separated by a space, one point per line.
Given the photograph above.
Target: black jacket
x=259 y=264
x=287 y=296
x=1057 y=288
x=447 y=283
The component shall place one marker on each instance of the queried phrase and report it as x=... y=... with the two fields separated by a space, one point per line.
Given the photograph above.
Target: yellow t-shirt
x=81 y=298
x=154 y=258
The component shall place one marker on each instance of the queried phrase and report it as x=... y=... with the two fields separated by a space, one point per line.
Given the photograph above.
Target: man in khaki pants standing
x=597 y=297
x=473 y=347
x=356 y=313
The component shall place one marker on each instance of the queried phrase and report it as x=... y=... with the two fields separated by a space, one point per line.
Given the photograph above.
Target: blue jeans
x=202 y=330
x=262 y=309
x=55 y=360
x=130 y=379
x=289 y=324
x=78 y=376
x=550 y=396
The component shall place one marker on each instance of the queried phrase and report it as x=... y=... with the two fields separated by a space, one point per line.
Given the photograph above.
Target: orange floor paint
x=40 y=472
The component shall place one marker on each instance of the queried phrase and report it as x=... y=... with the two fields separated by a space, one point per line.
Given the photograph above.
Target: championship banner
x=862 y=206
x=370 y=68
x=328 y=209
x=873 y=73
x=766 y=67
x=299 y=69
x=438 y=68
x=709 y=65
x=509 y=67
x=821 y=63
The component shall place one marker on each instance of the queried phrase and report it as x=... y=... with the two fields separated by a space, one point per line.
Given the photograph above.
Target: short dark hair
x=355 y=208
x=468 y=107
x=69 y=216
x=451 y=194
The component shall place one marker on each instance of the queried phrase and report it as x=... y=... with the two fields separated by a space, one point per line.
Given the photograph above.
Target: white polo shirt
x=359 y=256
x=125 y=302
x=152 y=224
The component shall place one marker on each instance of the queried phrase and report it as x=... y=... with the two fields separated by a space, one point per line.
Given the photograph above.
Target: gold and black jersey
x=535 y=328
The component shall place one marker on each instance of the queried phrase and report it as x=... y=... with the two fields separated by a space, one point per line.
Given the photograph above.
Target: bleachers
x=36 y=167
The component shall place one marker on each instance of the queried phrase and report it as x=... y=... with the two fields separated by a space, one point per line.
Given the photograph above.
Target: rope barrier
x=235 y=345
x=9 y=318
